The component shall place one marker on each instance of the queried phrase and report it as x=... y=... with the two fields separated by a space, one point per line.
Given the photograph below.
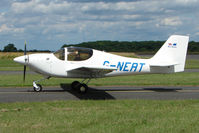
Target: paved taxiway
x=95 y=93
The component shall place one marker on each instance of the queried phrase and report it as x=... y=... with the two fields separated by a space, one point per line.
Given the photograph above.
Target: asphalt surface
x=98 y=93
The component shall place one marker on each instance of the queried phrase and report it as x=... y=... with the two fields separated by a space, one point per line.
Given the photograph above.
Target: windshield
x=60 y=54
x=79 y=54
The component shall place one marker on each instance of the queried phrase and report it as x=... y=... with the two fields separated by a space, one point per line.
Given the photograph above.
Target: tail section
x=171 y=56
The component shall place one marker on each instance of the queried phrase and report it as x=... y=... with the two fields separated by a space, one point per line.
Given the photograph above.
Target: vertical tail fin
x=172 y=54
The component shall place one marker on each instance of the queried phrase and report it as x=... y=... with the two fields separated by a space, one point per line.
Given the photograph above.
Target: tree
x=10 y=48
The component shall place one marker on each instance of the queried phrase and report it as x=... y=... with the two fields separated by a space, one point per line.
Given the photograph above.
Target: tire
x=83 y=88
x=39 y=89
x=75 y=85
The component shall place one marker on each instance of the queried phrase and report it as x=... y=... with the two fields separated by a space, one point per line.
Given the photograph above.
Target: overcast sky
x=48 y=24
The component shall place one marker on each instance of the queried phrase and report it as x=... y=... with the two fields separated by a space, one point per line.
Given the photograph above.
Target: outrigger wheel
x=81 y=88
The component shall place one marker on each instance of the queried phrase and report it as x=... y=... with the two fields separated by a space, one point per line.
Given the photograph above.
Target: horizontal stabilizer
x=163 y=64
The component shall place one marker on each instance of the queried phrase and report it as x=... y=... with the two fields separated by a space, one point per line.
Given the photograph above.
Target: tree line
x=11 y=48
x=134 y=46
x=114 y=46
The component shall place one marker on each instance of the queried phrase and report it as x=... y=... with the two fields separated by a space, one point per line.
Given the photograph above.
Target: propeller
x=24 y=69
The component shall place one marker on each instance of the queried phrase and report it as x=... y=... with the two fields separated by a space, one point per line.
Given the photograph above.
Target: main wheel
x=75 y=85
x=83 y=88
x=38 y=89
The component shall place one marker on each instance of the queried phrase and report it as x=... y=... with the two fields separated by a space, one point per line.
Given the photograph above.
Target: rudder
x=171 y=55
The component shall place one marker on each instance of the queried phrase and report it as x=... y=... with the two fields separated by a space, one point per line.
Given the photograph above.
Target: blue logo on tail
x=172 y=45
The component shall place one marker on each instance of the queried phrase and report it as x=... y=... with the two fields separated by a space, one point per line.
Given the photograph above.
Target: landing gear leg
x=38 y=87
x=80 y=87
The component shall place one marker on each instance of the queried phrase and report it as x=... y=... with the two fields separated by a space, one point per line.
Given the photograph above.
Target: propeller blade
x=24 y=69
x=24 y=73
x=25 y=48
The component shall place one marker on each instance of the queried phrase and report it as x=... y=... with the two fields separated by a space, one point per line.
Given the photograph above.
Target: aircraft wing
x=91 y=71
x=99 y=68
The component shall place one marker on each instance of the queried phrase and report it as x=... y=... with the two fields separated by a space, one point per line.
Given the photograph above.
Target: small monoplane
x=86 y=63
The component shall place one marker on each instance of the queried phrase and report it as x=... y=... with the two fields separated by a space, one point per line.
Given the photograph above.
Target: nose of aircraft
x=20 y=59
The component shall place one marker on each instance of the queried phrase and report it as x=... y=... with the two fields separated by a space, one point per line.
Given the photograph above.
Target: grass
x=101 y=116
x=176 y=79
x=10 y=65
x=7 y=63
x=10 y=55
x=192 y=64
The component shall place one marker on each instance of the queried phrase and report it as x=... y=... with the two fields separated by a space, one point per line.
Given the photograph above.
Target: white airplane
x=86 y=63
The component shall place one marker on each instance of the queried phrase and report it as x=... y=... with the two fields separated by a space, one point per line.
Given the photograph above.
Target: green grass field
x=110 y=116
x=192 y=64
x=176 y=79
x=9 y=65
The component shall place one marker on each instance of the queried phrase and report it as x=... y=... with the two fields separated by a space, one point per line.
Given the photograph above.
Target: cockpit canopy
x=74 y=53
x=60 y=54
x=78 y=54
